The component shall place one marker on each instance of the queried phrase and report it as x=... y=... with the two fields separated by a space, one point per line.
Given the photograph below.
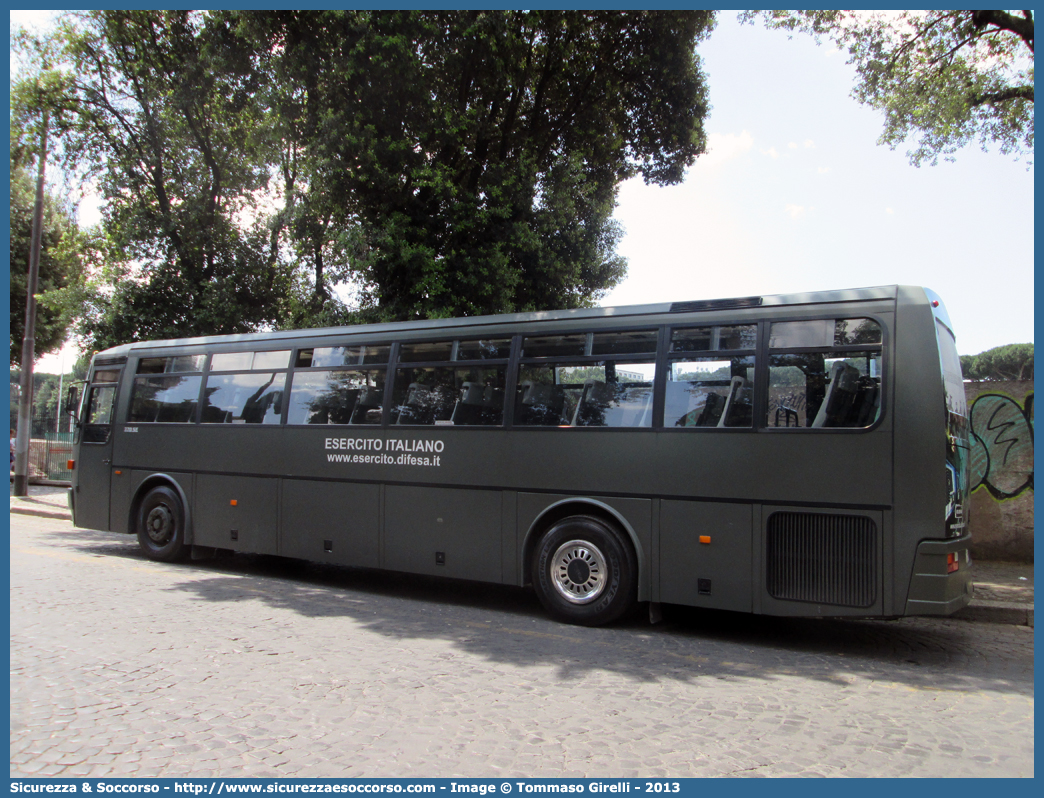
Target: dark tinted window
x=820 y=388
x=554 y=345
x=714 y=339
x=824 y=390
x=446 y=396
x=167 y=365
x=419 y=353
x=342 y=356
x=602 y=394
x=164 y=399
x=99 y=404
x=824 y=332
x=710 y=392
x=642 y=342
x=484 y=349
x=252 y=398
x=338 y=396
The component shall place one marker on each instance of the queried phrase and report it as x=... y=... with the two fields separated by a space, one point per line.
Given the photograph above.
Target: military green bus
x=801 y=455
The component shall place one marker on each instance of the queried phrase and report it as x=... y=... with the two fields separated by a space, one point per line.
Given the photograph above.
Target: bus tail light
x=953 y=562
x=70 y=464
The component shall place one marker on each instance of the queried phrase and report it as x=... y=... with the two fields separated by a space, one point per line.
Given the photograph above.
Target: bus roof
x=510 y=320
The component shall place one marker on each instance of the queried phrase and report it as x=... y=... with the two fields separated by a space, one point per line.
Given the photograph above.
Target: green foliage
x=157 y=108
x=578 y=375
x=257 y=165
x=475 y=155
x=60 y=272
x=944 y=78
x=722 y=373
x=1009 y=362
x=46 y=391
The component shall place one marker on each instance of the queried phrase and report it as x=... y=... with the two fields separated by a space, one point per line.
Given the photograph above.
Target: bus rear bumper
x=937 y=587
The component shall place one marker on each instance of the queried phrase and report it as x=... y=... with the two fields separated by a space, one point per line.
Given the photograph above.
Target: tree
x=46 y=396
x=157 y=108
x=60 y=264
x=456 y=163
x=943 y=78
x=437 y=163
x=1009 y=362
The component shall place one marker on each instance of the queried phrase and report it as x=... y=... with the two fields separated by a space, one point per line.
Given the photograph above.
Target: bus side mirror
x=72 y=401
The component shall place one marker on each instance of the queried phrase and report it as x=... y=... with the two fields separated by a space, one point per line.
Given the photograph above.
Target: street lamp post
x=25 y=404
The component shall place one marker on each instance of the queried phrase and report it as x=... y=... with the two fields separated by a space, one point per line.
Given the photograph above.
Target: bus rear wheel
x=584 y=572
x=161 y=525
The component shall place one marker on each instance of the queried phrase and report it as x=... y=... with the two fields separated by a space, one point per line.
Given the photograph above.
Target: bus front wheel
x=584 y=572
x=161 y=525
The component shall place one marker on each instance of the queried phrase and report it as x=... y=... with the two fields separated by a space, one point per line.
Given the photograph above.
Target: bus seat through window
x=840 y=395
x=541 y=404
x=867 y=402
x=367 y=408
x=418 y=400
x=594 y=401
x=737 y=405
x=468 y=409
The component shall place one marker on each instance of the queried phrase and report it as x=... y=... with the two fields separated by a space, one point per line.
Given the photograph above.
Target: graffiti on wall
x=1002 y=445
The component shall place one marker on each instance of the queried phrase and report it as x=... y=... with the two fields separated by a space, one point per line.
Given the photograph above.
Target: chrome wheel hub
x=578 y=571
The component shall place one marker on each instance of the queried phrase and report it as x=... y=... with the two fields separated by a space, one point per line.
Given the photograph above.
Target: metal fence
x=50 y=449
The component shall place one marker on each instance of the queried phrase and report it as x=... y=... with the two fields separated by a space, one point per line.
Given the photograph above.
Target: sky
x=796 y=195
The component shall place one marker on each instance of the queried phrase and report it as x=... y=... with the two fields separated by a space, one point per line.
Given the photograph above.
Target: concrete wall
x=1001 y=415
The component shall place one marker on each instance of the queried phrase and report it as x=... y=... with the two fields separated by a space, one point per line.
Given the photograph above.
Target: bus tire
x=584 y=572
x=161 y=526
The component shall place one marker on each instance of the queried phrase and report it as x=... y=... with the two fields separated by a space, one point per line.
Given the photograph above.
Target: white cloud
x=793 y=145
x=823 y=170
x=795 y=211
x=770 y=152
x=809 y=144
x=35 y=20
x=723 y=147
x=889 y=211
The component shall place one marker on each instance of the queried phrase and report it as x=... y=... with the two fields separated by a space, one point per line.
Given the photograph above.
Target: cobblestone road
x=253 y=666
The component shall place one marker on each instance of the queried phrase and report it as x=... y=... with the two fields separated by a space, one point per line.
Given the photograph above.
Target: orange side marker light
x=70 y=464
x=704 y=538
x=233 y=502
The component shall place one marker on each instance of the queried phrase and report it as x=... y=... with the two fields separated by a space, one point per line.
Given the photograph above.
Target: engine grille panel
x=826 y=559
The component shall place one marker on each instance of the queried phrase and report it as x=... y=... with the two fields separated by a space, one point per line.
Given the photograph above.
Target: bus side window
x=711 y=378
x=710 y=392
x=623 y=399
x=336 y=396
x=577 y=389
x=99 y=413
x=837 y=384
x=98 y=405
x=247 y=398
x=459 y=396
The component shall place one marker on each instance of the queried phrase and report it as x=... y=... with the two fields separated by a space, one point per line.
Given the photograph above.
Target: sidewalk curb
x=997 y=612
x=41 y=512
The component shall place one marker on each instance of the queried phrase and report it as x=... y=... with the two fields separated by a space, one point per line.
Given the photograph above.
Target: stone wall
x=1001 y=415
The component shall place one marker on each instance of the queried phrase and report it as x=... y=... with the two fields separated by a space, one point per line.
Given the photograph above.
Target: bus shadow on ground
x=507 y=624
